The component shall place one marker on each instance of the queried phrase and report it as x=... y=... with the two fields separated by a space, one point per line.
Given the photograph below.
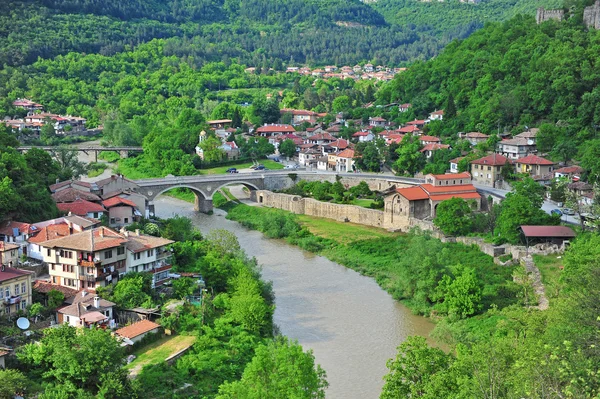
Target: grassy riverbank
x=429 y=276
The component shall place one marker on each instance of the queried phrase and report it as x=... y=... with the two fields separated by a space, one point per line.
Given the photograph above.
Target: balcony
x=87 y=277
x=87 y=263
x=12 y=300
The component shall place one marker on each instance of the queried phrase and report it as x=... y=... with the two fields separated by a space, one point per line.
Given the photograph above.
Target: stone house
x=475 y=138
x=534 y=165
x=488 y=170
x=516 y=148
x=9 y=254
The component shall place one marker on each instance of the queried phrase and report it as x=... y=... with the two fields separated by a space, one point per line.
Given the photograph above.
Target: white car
x=291 y=167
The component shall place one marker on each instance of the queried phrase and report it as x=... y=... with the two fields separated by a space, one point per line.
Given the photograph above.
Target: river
x=350 y=323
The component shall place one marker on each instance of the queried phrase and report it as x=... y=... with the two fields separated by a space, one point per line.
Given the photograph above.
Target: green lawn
x=340 y=232
x=365 y=203
x=550 y=268
x=159 y=351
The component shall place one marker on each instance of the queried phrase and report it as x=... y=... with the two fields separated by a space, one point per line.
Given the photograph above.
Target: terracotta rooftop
x=570 y=170
x=144 y=242
x=80 y=207
x=72 y=194
x=5 y=246
x=431 y=189
x=50 y=232
x=476 y=135
x=116 y=201
x=10 y=272
x=45 y=287
x=137 y=329
x=408 y=129
x=465 y=196
x=429 y=138
x=492 y=160
x=97 y=239
x=434 y=147
x=413 y=193
x=276 y=129
x=453 y=176
x=548 y=231
x=7 y=228
x=416 y=122
x=347 y=153
x=534 y=160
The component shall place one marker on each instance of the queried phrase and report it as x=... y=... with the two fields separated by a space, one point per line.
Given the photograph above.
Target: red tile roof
x=444 y=197
x=103 y=238
x=80 y=207
x=548 y=231
x=453 y=176
x=448 y=189
x=361 y=134
x=7 y=228
x=347 y=153
x=116 y=201
x=45 y=287
x=492 y=160
x=476 y=135
x=71 y=194
x=429 y=138
x=570 y=170
x=50 y=233
x=137 y=329
x=434 y=147
x=534 y=160
x=416 y=122
x=408 y=129
x=5 y=246
x=10 y=272
x=276 y=129
x=413 y=193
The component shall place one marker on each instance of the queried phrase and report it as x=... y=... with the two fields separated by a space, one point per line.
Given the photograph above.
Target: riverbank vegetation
x=360 y=194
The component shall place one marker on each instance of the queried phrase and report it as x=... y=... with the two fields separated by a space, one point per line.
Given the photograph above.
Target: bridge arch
x=202 y=202
x=250 y=186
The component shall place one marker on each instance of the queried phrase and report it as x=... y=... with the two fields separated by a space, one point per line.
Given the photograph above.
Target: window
x=120 y=250
x=126 y=220
x=150 y=252
x=95 y=215
x=112 y=220
x=1 y=293
x=49 y=252
x=108 y=254
x=17 y=289
x=53 y=280
x=137 y=255
x=8 y=310
x=23 y=288
x=23 y=304
x=53 y=267
x=67 y=318
x=489 y=168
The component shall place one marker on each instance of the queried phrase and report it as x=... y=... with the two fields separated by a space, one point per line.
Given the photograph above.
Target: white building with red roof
x=410 y=129
x=363 y=136
x=488 y=170
x=429 y=149
x=121 y=211
x=16 y=233
x=474 y=138
x=534 y=165
x=137 y=331
x=274 y=130
x=345 y=161
x=150 y=254
x=27 y=104
x=436 y=115
x=573 y=172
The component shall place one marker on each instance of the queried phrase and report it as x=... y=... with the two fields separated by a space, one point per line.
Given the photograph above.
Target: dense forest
x=293 y=31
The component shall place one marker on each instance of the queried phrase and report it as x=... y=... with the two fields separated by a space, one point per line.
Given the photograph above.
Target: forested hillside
x=389 y=32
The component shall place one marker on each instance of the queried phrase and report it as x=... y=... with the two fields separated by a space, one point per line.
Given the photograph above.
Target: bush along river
x=352 y=325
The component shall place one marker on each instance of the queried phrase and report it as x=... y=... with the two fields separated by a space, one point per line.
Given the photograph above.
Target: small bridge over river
x=204 y=186
x=95 y=149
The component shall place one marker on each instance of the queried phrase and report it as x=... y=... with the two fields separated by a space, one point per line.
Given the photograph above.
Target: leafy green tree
x=414 y=371
x=210 y=147
x=68 y=161
x=590 y=160
x=55 y=299
x=180 y=228
x=410 y=159
x=454 y=217
x=79 y=362
x=278 y=370
x=517 y=210
x=132 y=291
x=369 y=156
x=450 y=110
x=47 y=133
x=184 y=287
x=461 y=295
x=341 y=104
x=42 y=163
x=266 y=110
x=287 y=148
x=13 y=382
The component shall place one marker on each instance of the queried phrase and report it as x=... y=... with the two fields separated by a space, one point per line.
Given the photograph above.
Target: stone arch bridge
x=204 y=186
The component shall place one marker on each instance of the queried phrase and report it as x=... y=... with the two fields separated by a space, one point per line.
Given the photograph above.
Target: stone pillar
x=124 y=154
x=202 y=205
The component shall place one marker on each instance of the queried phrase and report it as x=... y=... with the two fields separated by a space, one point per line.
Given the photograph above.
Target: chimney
x=126 y=233
x=57 y=180
x=96 y=302
x=137 y=232
x=101 y=232
x=83 y=293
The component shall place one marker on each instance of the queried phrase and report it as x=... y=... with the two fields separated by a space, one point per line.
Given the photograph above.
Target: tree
x=55 y=299
x=454 y=217
x=80 y=362
x=211 y=149
x=42 y=163
x=236 y=119
x=184 y=287
x=267 y=110
x=517 y=210
x=70 y=166
x=132 y=291
x=279 y=369
x=461 y=294
x=224 y=241
x=47 y=133
x=13 y=382
x=369 y=156
x=287 y=148
x=410 y=159
x=450 y=110
x=341 y=104
x=414 y=371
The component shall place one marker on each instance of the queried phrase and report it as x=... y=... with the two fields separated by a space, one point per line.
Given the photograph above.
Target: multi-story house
x=534 y=165
x=90 y=259
x=148 y=254
x=86 y=310
x=16 y=233
x=9 y=254
x=15 y=290
x=516 y=148
x=345 y=161
x=488 y=170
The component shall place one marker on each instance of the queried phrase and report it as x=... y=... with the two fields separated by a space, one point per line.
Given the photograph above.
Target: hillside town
x=357 y=72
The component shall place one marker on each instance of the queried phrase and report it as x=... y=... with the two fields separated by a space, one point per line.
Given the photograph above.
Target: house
x=219 y=123
x=572 y=172
x=321 y=139
x=475 y=137
x=9 y=254
x=86 y=260
x=418 y=123
x=368 y=68
x=393 y=138
x=581 y=188
x=363 y=136
x=336 y=146
x=421 y=201
x=534 y=165
x=436 y=115
x=454 y=164
x=404 y=107
x=76 y=184
x=16 y=233
x=488 y=170
x=46 y=233
x=27 y=104
x=137 y=331
x=516 y=148
x=345 y=161
x=82 y=207
x=306 y=156
x=429 y=140
x=410 y=129
x=114 y=183
x=430 y=149
x=557 y=235
x=529 y=135
x=299 y=116
x=15 y=289
x=322 y=162
x=150 y=254
x=71 y=194
x=121 y=211
x=86 y=310
x=377 y=122
x=274 y=130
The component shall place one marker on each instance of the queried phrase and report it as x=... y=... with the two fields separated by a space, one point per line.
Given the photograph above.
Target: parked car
x=260 y=167
x=291 y=166
x=276 y=159
x=255 y=167
x=556 y=212
x=567 y=211
x=231 y=170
